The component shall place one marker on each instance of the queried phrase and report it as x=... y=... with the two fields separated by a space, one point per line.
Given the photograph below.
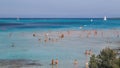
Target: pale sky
x=60 y=8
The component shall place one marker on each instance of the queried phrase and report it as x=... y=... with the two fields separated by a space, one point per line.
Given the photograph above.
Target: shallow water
x=66 y=50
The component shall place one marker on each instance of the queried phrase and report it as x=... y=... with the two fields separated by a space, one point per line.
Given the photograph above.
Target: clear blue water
x=66 y=50
x=12 y=24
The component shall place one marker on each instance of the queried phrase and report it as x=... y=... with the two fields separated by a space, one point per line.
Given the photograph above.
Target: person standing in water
x=52 y=62
x=75 y=63
x=56 y=61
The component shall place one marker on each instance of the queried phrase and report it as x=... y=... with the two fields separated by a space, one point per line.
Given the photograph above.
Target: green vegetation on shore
x=106 y=59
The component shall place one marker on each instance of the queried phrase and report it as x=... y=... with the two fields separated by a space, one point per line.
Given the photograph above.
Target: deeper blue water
x=33 y=24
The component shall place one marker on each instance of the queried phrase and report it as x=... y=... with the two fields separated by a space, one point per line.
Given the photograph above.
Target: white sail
x=105 y=18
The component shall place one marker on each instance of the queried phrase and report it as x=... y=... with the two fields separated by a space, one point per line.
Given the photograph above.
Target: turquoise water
x=12 y=24
x=66 y=50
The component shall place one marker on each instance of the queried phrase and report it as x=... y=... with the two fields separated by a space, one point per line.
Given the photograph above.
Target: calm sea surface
x=66 y=50
x=29 y=24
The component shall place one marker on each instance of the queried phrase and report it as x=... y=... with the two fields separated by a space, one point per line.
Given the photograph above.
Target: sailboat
x=105 y=18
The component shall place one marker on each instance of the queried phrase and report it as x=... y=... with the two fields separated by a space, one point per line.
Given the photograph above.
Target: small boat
x=105 y=18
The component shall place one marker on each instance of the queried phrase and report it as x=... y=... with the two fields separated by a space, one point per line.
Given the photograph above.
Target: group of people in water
x=49 y=37
x=55 y=37
x=87 y=52
x=54 y=62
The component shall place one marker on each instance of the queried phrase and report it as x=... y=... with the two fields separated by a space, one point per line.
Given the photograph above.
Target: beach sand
x=66 y=46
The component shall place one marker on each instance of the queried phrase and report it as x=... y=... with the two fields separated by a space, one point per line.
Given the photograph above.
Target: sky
x=60 y=8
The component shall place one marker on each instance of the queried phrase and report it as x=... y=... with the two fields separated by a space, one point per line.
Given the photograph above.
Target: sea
x=26 y=47
x=45 y=24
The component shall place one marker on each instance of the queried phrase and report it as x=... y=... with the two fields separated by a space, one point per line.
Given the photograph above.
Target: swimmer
x=75 y=62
